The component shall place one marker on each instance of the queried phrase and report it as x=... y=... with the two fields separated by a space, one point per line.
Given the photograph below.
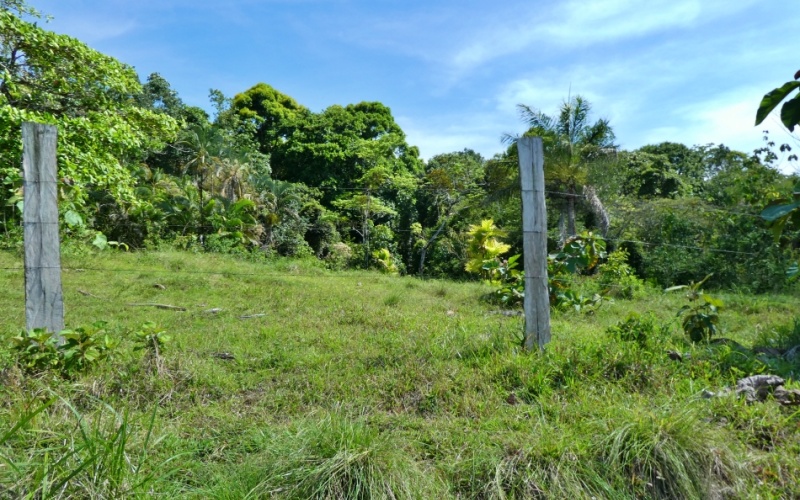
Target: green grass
x=362 y=385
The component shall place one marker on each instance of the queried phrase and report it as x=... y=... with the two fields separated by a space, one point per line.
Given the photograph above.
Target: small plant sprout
x=152 y=338
x=700 y=316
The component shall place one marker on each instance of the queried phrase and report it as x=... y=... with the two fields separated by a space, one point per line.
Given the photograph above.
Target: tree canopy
x=52 y=78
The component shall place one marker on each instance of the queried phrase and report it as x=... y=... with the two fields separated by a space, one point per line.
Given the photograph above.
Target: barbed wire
x=195 y=272
x=688 y=247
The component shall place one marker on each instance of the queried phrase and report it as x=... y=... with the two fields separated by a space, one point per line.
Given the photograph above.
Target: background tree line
x=264 y=175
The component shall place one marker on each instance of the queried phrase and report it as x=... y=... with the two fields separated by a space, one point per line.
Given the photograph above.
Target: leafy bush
x=339 y=255
x=687 y=239
x=384 y=261
x=484 y=247
x=635 y=328
x=579 y=254
x=512 y=280
x=84 y=347
x=616 y=277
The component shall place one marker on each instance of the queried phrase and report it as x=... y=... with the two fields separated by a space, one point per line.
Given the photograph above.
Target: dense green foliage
x=103 y=133
x=141 y=168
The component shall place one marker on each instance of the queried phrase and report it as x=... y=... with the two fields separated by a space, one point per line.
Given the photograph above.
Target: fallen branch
x=160 y=306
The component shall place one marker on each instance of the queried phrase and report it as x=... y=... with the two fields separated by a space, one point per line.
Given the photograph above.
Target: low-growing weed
x=636 y=328
x=152 y=339
x=69 y=352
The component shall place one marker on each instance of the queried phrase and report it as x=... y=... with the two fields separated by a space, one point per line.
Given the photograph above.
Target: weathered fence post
x=44 y=302
x=534 y=238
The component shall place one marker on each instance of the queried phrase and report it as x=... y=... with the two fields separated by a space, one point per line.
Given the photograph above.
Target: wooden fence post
x=534 y=234
x=44 y=302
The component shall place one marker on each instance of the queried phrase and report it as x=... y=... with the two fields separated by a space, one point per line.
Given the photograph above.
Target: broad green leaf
x=100 y=241
x=777 y=228
x=676 y=287
x=774 y=212
x=772 y=99
x=700 y=283
x=73 y=218
x=790 y=113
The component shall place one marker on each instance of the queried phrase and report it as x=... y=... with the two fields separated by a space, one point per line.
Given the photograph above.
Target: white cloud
x=578 y=23
x=726 y=120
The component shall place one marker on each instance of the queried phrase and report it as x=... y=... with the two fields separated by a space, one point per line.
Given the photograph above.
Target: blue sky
x=452 y=71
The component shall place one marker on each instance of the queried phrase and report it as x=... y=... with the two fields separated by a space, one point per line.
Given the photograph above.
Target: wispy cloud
x=92 y=29
x=578 y=23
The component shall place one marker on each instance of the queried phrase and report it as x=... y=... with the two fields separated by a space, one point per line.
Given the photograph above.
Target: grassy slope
x=355 y=383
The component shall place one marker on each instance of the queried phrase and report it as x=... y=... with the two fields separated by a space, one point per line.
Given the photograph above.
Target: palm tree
x=207 y=154
x=279 y=203
x=572 y=146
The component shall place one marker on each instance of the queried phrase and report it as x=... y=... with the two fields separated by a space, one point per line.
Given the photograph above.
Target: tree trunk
x=422 y=259
x=428 y=244
x=597 y=208
x=571 y=214
x=202 y=231
x=562 y=226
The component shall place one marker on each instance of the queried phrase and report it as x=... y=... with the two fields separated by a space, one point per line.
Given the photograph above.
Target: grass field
x=362 y=385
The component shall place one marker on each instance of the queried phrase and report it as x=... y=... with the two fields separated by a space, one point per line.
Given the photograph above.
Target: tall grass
x=308 y=383
x=105 y=457
x=332 y=457
x=668 y=453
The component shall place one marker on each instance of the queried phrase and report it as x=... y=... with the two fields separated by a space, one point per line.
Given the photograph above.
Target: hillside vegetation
x=270 y=301
x=361 y=385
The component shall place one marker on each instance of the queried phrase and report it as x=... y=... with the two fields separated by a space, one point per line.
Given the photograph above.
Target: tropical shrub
x=484 y=247
x=700 y=316
x=39 y=350
x=616 y=278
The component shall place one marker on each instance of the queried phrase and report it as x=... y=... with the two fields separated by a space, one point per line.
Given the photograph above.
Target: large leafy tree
x=92 y=98
x=273 y=114
x=685 y=162
x=450 y=186
x=650 y=175
x=332 y=149
x=572 y=145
